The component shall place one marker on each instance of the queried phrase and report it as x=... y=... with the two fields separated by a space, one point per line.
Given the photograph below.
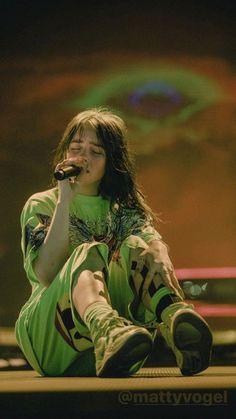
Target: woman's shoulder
x=43 y=198
x=47 y=194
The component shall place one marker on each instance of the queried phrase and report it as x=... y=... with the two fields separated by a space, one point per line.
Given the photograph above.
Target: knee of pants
x=94 y=261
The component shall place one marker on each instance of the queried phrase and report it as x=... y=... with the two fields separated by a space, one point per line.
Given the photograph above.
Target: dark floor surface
x=158 y=390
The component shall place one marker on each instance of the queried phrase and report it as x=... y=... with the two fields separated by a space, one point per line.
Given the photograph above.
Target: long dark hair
x=118 y=183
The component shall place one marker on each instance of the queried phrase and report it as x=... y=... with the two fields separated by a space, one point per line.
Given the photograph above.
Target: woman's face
x=88 y=146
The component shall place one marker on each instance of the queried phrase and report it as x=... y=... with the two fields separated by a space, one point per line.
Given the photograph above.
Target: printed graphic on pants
x=66 y=327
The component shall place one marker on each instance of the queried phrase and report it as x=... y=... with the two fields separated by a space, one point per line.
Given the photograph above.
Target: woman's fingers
x=176 y=284
x=169 y=281
x=146 y=269
x=78 y=161
x=164 y=271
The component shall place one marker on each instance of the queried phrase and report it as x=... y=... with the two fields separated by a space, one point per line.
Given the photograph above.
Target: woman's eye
x=74 y=150
x=97 y=152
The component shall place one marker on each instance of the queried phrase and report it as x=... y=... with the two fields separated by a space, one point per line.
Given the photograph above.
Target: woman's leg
x=185 y=331
x=119 y=345
x=57 y=337
x=90 y=286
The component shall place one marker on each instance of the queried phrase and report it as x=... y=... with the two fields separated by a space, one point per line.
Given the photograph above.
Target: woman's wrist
x=63 y=204
x=64 y=198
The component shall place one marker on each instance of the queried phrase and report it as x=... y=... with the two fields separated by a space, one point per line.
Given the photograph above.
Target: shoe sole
x=135 y=349
x=196 y=347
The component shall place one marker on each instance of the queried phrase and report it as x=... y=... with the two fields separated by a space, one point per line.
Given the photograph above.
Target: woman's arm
x=53 y=252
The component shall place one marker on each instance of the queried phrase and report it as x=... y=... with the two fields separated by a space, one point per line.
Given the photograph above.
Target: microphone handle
x=67 y=172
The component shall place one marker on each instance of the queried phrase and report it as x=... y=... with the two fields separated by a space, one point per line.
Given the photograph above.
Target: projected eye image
x=151 y=99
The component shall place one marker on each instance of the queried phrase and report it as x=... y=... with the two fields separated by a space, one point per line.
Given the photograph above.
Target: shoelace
x=109 y=321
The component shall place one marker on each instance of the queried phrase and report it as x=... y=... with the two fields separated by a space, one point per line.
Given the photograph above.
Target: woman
x=101 y=277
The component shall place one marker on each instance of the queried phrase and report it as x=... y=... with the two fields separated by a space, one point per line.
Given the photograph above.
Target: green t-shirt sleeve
x=35 y=221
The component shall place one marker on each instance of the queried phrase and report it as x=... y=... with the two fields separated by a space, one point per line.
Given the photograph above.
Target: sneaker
x=121 y=348
x=189 y=336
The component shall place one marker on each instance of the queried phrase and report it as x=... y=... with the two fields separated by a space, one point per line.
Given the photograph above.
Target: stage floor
x=163 y=391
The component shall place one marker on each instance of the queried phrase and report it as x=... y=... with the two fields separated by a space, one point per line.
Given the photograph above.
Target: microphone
x=68 y=171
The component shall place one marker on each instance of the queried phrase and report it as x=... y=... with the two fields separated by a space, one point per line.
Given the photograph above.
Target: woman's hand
x=154 y=263
x=68 y=188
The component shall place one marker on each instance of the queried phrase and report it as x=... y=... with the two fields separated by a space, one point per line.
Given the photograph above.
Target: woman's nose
x=83 y=152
